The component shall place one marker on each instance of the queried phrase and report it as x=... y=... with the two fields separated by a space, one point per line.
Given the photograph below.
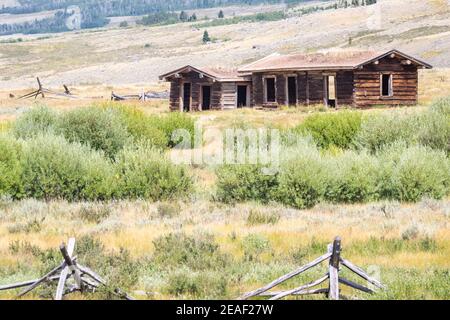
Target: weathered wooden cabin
x=194 y=89
x=360 y=79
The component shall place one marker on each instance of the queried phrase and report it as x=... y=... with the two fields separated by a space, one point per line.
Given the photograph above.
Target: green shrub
x=199 y=252
x=254 y=245
x=146 y=173
x=36 y=121
x=142 y=127
x=101 y=129
x=434 y=128
x=175 y=121
x=417 y=172
x=54 y=168
x=240 y=183
x=10 y=169
x=338 y=129
x=204 y=285
x=381 y=130
x=301 y=178
x=431 y=128
x=352 y=178
x=441 y=106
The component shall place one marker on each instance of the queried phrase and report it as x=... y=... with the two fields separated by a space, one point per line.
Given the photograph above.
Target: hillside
x=138 y=54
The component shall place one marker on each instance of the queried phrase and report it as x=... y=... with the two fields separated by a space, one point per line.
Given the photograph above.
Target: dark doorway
x=206 y=97
x=292 y=91
x=186 y=97
x=270 y=90
x=241 y=96
x=386 y=85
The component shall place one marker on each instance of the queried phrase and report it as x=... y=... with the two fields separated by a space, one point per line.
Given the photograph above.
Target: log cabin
x=358 y=78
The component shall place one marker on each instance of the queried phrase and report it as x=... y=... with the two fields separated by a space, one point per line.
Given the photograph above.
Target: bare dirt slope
x=137 y=55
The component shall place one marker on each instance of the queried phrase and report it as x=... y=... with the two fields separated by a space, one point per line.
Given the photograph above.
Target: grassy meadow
x=207 y=250
x=378 y=178
x=102 y=171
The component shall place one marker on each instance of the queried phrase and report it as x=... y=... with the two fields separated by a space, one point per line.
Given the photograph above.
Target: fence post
x=334 y=270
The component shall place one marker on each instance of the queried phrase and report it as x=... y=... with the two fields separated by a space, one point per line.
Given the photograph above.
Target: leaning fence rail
x=84 y=279
x=335 y=260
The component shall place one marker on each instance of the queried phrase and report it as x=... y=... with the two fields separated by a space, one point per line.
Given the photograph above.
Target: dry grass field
x=197 y=247
x=387 y=238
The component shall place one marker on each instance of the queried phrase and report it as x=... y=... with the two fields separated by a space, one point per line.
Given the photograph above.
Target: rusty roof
x=333 y=60
x=321 y=61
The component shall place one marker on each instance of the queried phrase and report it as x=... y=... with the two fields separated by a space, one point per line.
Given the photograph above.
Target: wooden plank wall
x=368 y=84
x=258 y=93
x=315 y=82
x=315 y=79
x=281 y=89
x=196 y=83
x=216 y=96
x=229 y=95
x=344 y=81
x=301 y=88
x=174 y=98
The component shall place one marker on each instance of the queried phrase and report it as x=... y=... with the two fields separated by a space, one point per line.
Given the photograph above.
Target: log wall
x=360 y=88
x=314 y=80
x=367 y=84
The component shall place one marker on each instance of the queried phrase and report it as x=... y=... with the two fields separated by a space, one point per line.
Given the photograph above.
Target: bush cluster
x=306 y=176
x=197 y=253
x=108 y=128
x=332 y=129
x=349 y=130
x=94 y=153
x=145 y=173
x=430 y=128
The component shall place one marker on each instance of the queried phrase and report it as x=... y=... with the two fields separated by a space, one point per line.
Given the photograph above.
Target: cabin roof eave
x=396 y=52
x=187 y=68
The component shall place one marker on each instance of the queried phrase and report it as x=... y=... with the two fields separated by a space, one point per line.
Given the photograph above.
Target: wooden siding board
x=174 y=102
x=281 y=89
x=229 y=95
x=258 y=91
x=345 y=85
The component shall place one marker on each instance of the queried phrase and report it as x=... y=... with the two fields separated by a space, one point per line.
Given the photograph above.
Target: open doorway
x=386 y=85
x=206 y=97
x=186 y=97
x=292 y=91
x=330 y=91
x=270 y=91
x=242 y=96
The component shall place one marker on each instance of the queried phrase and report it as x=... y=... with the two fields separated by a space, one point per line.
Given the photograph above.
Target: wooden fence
x=84 y=279
x=335 y=261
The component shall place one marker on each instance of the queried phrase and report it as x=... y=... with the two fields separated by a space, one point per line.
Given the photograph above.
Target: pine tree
x=183 y=16
x=206 y=37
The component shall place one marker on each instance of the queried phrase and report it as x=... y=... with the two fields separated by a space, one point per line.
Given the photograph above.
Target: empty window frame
x=270 y=90
x=386 y=85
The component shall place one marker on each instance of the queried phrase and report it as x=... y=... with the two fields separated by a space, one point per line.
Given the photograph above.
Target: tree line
x=95 y=13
